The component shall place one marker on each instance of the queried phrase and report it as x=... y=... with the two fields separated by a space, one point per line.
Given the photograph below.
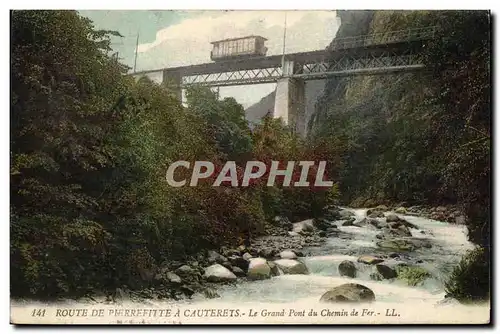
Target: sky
x=179 y=38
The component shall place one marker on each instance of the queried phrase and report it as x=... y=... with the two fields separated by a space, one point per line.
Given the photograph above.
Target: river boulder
x=348 y=293
x=258 y=269
x=303 y=226
x=369 y=259
x=292 y=267
x=288 y=254
x=344 y=214
x=219 y=273
x=347 y=268
x=385 y=271
x=247 y=256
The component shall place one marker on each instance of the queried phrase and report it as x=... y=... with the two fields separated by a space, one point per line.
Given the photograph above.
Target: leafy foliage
x=419 y=138
x=469 y=281
x=412 y=275
x=90 y=206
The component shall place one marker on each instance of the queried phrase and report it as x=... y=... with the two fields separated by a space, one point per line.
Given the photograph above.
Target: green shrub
x=470 y=280
x=412 y=275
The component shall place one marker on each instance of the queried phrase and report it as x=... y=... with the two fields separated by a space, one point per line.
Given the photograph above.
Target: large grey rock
x=288 y=254
x=348 y=293
x=292 y=267
x=218 y=273
x=258 y=269
x=347 y=268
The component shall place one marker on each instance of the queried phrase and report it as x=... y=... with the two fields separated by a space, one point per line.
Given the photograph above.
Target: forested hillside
x=417 y=138
x=90 y=206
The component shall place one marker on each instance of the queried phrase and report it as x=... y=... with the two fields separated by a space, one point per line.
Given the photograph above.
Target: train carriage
x=237 y=48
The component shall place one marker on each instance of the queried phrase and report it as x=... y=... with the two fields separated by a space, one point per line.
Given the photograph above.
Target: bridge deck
x=308 y=57
x=370 y=54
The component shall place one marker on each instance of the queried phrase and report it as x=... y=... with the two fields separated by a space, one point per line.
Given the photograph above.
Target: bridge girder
x=358 y=55
x=345 y=64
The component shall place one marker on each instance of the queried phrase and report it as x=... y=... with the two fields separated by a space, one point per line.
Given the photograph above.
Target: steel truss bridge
x=386 y=52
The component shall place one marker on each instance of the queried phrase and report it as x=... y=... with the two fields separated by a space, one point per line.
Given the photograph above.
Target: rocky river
x=390 y=266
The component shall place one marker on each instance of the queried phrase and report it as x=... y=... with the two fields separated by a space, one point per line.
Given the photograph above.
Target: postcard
x=250 y=167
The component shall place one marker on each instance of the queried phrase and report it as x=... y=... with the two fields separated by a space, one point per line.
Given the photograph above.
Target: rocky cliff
x=371 y=94
x=318 y=92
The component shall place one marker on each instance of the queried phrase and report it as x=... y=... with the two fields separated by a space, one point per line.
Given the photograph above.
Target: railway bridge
x=382 y=53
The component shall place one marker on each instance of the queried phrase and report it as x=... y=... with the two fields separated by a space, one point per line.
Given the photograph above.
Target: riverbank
x=299 y=268
x=379 y=232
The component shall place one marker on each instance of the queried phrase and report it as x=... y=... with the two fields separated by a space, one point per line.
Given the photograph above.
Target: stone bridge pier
x=289 y=104
x=172 y=79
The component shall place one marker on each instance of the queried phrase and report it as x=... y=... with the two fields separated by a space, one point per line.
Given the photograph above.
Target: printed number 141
x=38 y=313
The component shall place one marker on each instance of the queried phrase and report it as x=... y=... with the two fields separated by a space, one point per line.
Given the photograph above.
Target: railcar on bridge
x=238 y=48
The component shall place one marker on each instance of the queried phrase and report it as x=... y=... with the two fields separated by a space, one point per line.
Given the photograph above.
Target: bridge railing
x=383 y=38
